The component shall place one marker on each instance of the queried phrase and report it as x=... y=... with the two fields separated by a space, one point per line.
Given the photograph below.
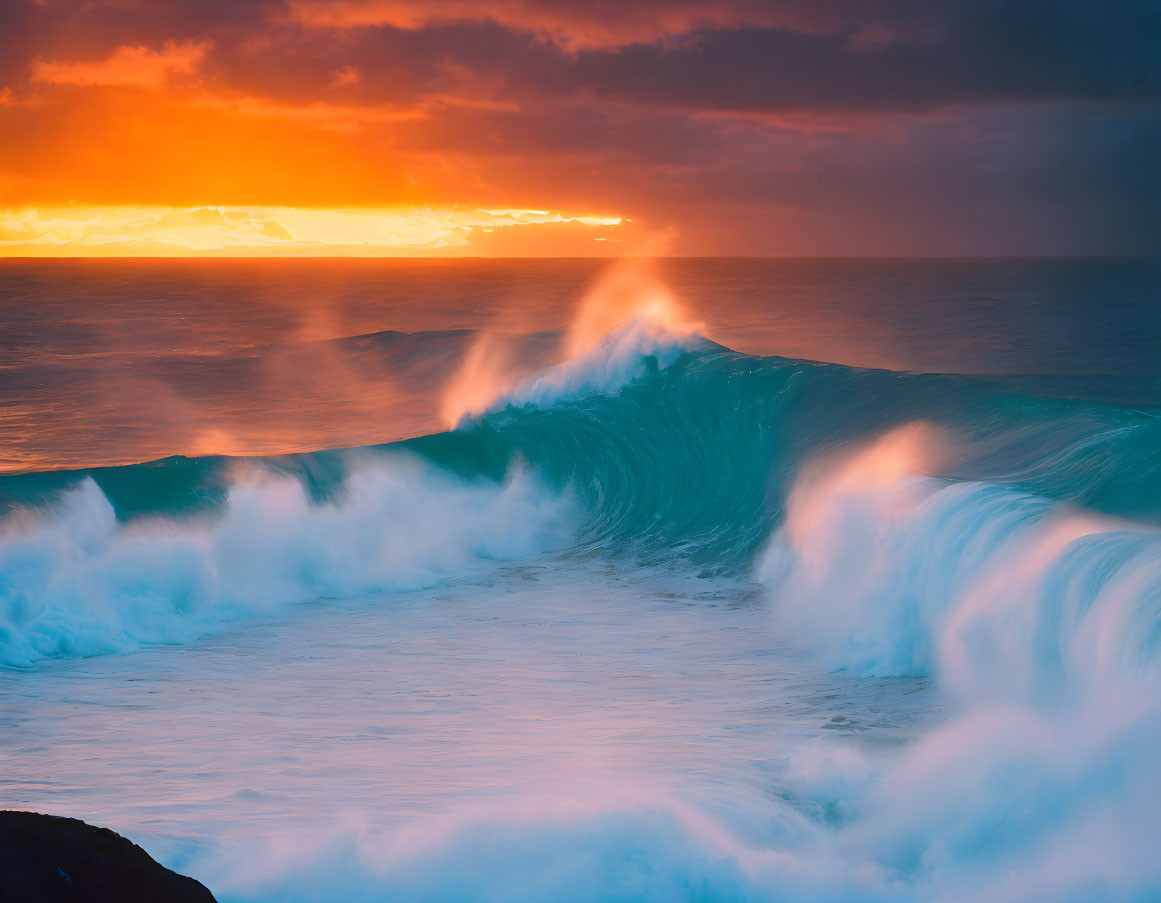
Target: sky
x=580 y=127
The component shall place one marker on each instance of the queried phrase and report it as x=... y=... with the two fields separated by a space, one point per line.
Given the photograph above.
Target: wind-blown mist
x=628 y=321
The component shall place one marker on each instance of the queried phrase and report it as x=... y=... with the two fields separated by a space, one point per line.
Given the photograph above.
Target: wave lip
x=886 y=571
x=624 y=355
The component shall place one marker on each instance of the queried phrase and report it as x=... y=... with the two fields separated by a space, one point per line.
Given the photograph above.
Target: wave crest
x=888 y=572
x=621 y=357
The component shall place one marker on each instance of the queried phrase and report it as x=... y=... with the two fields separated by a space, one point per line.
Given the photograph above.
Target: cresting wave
x=623 y=356
x=627 y=318
x=669 y=448
x=999 y=593
x=74 y=581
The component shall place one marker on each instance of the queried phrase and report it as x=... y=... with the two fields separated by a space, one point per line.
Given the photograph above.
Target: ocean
x=525 y=580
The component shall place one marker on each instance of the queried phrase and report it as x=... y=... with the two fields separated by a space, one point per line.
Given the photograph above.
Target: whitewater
x=656 y=620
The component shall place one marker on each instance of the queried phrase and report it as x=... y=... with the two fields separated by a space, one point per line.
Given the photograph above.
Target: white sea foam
x=75 y=582
x=998 y=593
x=1040 y=624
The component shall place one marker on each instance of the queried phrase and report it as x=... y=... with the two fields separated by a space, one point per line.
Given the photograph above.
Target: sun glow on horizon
x=255 y=231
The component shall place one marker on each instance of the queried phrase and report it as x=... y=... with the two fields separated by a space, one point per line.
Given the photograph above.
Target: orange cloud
x=144 y=146
x=137 y=66
x=347 y=75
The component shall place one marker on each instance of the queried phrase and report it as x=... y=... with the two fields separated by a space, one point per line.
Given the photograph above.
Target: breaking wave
x=1042 y=625
x=1005 y=544
x=677 y=451
x=74 y=581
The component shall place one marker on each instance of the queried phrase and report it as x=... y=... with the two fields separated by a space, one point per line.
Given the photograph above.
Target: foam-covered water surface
x=534 y=688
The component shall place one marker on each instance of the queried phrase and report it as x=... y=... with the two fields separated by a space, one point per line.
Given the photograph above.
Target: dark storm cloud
x=1060 y=178
x=1035 y=50
x=392 y=65
x=19 y=34
x=1032 y=51
x=832 y=56
x=91 y=29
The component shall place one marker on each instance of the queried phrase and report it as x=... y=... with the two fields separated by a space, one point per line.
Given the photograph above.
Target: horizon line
x=596 y=257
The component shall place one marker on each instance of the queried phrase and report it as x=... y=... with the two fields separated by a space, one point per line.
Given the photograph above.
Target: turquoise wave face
x=686 y=460
x=695 y=459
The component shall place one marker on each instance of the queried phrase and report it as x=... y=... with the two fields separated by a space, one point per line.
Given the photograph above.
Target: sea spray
x=628 y=322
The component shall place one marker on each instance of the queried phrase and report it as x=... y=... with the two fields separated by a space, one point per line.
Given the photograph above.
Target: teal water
x=666 y=621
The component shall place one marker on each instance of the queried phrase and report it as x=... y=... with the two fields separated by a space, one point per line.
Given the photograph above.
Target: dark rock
x=47 y=858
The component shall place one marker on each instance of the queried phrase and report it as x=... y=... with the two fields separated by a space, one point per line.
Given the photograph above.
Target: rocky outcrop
x=47 y=858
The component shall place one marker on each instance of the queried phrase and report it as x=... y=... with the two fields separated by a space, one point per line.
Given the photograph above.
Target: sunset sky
x=805 y=127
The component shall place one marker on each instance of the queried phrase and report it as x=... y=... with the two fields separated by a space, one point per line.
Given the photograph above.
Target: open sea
x=561 y=580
